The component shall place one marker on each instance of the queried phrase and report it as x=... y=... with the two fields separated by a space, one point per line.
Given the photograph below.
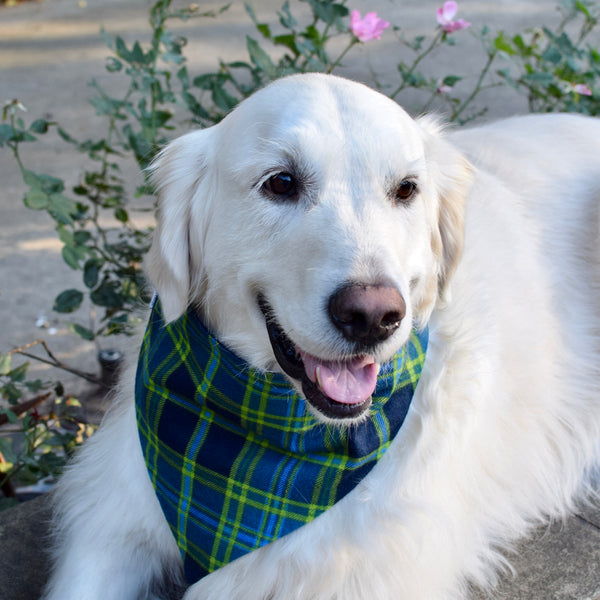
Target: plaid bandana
x=234 y=455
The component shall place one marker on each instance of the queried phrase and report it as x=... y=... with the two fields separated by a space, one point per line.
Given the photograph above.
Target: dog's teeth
x=318 y=376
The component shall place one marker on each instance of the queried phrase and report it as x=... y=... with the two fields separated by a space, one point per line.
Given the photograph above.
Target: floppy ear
x=177 y=174
x=452 y=176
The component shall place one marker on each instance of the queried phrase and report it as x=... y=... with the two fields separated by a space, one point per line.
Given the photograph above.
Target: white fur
x=504 y=426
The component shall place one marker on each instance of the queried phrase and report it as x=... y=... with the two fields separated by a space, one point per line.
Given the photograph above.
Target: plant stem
x=22 y=350
x=478 y=86
x=15 y=146
x=339 y=59
x=23 y=407
x=415 y=64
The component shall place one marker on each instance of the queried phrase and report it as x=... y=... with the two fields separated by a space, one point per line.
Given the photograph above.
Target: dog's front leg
x=111 y=539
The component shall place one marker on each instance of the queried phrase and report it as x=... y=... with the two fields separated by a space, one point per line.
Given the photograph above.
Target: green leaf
x=81 y=190
x=264 y=30
x=121 y=49
x=6 y=448
x=142 y=147
x=520 y=44
x=21 y=136
x=138 y=56
x=83 y=332
x=91 y=272
x=113 y=65
x=503 y=45
x=65 y=136
x=174 y=57
x=57 y=439
x=73 y=255
x=107 y=296
x=32 y=179
x=121 y=215
x=50 y=463
x=161 y=117
x=289 y=41
x=285 y=16
x=18 y=374
x=68 y=301
x=6 y=133
x=582 y=8
x=107 y=106
x=46 y=183
x=328 y=11
x=260 y=58
x=39 y=126
x=62 y=208
x=248 y=8
x=51 y=185
x=205 y=82
x=81 y=237
x=552 y=55
x=222 y=99
x=10 y=415
x=306 y=47
x=417 y=43
x=36 y=199
x=194 y=106
x=29 y=474
x=539 y=78
x=65 y=236
x=5 y=361
x=11 y=392
x=35 y=385
x=108 y=40
x=184 y=77
x=451 y=80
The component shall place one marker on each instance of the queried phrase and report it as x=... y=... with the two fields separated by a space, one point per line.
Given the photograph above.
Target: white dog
x=313 y=231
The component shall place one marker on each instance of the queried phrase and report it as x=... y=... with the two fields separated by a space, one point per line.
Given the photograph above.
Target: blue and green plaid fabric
x=235 y=456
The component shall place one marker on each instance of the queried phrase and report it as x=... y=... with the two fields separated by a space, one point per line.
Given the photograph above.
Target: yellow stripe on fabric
x=204 y=422
x=248 y=449
x=188 y=477
x=262 y=408
x=161 y=393
x=244 y=408
x=317 y=492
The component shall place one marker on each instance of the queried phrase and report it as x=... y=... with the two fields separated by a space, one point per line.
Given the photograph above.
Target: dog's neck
x=236 y=458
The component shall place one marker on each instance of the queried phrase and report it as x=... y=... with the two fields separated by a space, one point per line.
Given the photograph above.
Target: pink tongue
x=347 y=382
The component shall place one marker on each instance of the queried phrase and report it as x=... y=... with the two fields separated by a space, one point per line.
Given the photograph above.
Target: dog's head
x=313 y=228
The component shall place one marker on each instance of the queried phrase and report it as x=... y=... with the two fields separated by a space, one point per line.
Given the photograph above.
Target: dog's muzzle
x=341 y=388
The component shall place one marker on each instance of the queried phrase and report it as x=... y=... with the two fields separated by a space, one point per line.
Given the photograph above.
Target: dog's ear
x=452 y=177
x=179 y=175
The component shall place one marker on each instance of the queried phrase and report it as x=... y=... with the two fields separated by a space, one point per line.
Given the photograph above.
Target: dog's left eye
x=406 y=191
x=281 y=185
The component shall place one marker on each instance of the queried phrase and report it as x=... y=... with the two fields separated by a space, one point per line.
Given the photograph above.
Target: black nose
x=367 y=314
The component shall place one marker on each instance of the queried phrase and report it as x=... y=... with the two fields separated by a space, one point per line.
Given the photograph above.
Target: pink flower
x=446 y=13
x=368 y=28
x=581 y=88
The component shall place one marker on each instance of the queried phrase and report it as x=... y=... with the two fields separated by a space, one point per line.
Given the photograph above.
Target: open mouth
x=339 y=389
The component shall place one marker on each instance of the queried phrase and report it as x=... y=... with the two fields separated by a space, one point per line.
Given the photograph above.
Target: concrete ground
x=49 y=50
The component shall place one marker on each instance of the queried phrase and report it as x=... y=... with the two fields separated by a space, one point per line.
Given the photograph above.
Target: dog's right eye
x=281 y=185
